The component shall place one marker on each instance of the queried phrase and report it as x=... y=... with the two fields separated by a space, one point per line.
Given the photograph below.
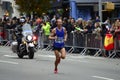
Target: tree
x=38 y=6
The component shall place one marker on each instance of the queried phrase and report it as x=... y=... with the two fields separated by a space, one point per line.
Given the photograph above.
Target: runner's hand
x=65 y=40
x=55 y=37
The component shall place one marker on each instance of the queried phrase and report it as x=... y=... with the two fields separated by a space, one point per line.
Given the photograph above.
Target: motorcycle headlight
x=29 y=38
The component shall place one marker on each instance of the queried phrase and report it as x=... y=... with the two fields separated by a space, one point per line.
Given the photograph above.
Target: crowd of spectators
x=45 y=24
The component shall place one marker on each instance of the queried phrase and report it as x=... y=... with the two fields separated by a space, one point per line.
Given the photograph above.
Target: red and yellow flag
x=108 y=42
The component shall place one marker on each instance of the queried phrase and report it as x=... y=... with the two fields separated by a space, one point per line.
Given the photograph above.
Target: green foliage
x=38 y=6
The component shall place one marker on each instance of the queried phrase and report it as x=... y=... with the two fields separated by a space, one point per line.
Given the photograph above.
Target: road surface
x=74 y=67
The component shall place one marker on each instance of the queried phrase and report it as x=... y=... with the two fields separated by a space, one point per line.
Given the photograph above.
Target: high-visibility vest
x=108 y=42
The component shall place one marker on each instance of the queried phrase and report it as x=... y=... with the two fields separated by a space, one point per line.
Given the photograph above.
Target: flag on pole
x=108 y=42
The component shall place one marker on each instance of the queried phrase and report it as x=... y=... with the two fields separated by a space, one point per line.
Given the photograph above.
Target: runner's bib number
x=59 y=40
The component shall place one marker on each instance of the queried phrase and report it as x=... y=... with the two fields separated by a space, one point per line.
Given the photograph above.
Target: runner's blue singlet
x=59 y=42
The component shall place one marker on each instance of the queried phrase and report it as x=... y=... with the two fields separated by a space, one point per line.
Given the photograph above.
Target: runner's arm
x=52 y=35
x=65 y=36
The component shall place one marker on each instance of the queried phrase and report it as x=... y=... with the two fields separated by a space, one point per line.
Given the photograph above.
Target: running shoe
x=55 y=71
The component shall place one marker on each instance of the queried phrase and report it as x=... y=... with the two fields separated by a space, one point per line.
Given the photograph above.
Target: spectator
x=70 y=26
x=1 y=30
x=45 y=17
x=53 y=22
x=104 y=31
x=97 y=19
x=97 y=29
x=46 y=30
x=117 y=31
x=65 y=23
x=107 y=22
x=38 y=31
x=8 y=24
x=89 y=27
x=80 y=22
x=14 y=23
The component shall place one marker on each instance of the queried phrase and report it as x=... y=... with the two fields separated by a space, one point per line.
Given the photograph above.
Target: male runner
x=59 y=35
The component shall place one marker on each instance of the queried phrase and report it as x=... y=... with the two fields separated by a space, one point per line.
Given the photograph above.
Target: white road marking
x=52 y=56
x=9 y=56
x=76 y=56
x=10 y=62
x=104 y=78
x=87 y=57
x=78 y=60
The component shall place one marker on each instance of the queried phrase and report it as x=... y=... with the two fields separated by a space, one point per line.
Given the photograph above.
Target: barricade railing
x=8 y=37
x=46 y=42
x=86 y=42
x=95 y=41
x=76 y=40
x=116 y=49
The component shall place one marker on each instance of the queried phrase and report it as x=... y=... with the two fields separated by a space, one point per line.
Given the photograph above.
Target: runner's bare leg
x=57 y=55
x=63 y=53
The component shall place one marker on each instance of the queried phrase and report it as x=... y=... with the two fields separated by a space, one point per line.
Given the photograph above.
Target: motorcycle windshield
x=27 y=30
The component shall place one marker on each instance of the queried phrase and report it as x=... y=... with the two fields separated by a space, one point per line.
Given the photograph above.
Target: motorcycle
x=28 y=45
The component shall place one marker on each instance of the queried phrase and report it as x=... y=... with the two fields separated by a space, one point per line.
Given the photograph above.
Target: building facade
x=8 y=7
x=88 y=9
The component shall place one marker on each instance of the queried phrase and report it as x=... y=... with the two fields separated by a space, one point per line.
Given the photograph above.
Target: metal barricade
x=2 y=36
x=85 y=42
x=47 y=42
x=70 y=39
x=80 y=42
x=94 y=41
x=116 y=50
x=70 y=42
x=9 y=36
x=6 y=39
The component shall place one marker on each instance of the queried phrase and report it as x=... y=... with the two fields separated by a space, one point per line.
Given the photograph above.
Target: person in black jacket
x=18 y=32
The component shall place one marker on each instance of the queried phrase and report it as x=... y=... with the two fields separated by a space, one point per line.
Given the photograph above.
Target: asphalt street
x=74 y=67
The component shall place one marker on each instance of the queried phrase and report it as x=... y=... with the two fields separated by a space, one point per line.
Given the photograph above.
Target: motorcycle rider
x=18 y=32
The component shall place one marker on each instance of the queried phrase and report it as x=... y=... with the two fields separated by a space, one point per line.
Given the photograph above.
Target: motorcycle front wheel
x=31 y=53
x=20 y=55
